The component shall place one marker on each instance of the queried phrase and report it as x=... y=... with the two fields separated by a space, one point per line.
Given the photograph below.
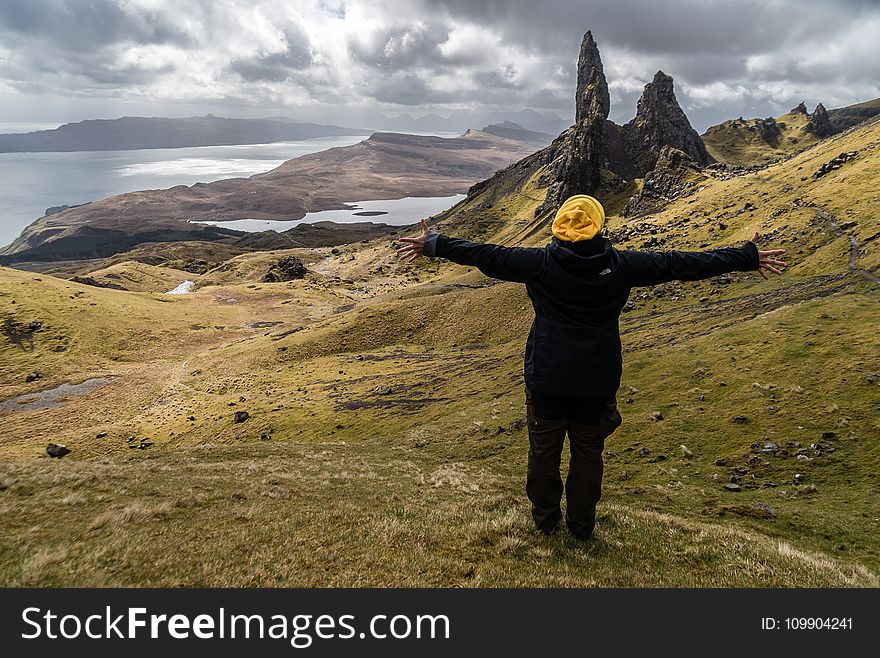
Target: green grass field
x=385 y=442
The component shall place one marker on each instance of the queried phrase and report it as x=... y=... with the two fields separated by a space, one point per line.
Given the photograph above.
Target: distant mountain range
x=527 y=119
x=511 y=130
x=129 y=133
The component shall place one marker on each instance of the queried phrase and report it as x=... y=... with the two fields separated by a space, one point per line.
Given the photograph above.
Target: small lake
x=397 y=212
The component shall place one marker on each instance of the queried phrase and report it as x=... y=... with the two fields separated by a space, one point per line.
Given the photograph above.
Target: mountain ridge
x=131 y=133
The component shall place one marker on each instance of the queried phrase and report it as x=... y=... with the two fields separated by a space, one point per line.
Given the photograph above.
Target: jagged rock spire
x=800 y=109
x=591 y=98
x=660 y=122
x=576 y=156
x=819 y=123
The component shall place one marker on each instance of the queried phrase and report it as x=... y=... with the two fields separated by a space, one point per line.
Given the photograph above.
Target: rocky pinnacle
x=591 y=98
x=576 y=156
x=819 y=123
x=660 y=122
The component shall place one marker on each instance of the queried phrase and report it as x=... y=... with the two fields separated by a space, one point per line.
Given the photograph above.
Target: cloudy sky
x=345 y=61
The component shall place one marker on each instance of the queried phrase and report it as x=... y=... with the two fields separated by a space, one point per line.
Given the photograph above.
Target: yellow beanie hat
x=581 y=217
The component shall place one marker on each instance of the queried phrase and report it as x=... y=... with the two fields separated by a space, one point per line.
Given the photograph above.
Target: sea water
x=32 y=182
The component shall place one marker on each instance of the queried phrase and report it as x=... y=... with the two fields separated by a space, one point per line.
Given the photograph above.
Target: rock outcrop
x=768 y=130
x=819 y=123
x=834 y=163
x=575 y=160
x=674 y=176
x=286 y=269
x=92 y=281
x=801 y=108
x=660 y=122
x=577 y=155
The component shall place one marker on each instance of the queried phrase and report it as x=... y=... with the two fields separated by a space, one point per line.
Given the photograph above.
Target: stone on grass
x=57 y=450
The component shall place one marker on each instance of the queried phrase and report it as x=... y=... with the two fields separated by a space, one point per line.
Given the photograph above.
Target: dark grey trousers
x=583 y=486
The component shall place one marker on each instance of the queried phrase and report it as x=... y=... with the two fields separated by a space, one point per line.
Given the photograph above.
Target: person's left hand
x=766 y=260
x=414 y=247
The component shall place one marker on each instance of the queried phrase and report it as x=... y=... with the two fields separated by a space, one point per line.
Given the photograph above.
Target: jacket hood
x=585 y=257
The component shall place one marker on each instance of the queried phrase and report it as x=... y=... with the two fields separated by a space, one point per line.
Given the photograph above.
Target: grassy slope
x=736 y=142
x=397 y=448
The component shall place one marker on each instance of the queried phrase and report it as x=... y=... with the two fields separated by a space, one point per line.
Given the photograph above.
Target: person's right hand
x=766 y=262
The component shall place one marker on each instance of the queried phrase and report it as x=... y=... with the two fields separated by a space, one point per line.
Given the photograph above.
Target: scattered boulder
x=740 y=420
x=57 y=450
x=265 y=437
x=732 y=486
x=685 y=452
x=32 y=377
x=288 y=268
x=240 y=416
x=656 y=415
x=834 y=163
x=101 y=435
x=644 y=452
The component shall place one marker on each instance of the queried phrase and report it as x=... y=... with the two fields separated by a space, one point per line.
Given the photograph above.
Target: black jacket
x=578 y=291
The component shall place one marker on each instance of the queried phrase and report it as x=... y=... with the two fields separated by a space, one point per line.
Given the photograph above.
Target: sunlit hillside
x=384 y=443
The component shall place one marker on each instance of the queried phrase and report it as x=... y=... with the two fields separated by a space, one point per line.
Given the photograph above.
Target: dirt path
x=831 y=220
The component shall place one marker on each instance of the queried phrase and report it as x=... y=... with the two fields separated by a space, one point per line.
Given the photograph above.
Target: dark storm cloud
x=728 y=57
x=406 y=89
x=698 y=42
x=686 y=26
x=85 y=26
